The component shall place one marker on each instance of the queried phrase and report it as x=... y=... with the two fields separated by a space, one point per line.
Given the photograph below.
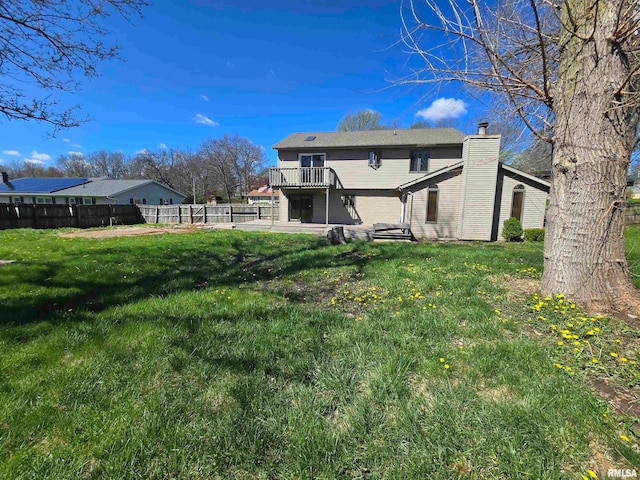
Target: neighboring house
x=87 y=191
x=262 y=197
x=445 y=184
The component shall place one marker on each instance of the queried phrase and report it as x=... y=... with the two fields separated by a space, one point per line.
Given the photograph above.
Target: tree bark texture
x=594 y=135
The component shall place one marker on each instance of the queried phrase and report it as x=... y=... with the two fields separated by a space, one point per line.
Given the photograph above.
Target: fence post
x=258 y=211
x=230 y=213
x=204 y=213
x=191 y=214
x=35 y=215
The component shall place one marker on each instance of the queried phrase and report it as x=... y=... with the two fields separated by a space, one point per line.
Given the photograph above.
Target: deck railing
x=313 y=177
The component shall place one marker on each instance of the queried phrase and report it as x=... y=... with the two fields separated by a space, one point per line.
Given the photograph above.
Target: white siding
x=353 y=171
x=478 y=199
x=535 y=201
x=449 y=187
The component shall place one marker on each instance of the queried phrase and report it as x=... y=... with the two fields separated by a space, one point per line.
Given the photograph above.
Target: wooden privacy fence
x=632 y=214
x=57 y=216
x=229 y=213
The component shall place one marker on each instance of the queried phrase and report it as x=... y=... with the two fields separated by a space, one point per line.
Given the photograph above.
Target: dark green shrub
x=534 y=235
x=512 y=230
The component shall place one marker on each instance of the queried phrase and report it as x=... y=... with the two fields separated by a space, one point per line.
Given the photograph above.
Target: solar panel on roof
x=310 y=138
x=40 y=185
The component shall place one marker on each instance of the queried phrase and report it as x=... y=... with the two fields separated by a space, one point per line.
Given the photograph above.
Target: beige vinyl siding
x=449 y=187
x=481 y=165
x=371 y=206
x=283 y=207
x=377 y=206
x=353 y=170
x=535 y=200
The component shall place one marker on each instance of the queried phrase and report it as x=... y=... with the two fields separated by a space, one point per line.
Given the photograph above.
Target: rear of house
x=445 y=184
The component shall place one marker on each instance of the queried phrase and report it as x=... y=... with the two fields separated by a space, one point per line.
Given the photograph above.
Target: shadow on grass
x=127 y=272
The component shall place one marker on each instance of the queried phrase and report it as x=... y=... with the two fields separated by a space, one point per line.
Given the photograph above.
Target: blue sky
x=198 y=69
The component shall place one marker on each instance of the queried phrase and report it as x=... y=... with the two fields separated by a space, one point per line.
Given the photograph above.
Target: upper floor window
x=312 y=159
x=419 y=161
x=517 y=202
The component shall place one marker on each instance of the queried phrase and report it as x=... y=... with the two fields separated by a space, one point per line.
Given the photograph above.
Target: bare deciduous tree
x=45 y=46
x=569 y=68
x=362 y=120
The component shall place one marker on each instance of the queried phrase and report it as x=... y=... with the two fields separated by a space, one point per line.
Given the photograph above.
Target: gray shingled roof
x=373 y=138
x=103 y=188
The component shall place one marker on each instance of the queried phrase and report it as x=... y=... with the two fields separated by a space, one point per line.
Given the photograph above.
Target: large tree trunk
x=594 y=135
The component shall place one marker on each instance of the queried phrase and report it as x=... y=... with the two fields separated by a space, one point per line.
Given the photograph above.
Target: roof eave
x=354 y=147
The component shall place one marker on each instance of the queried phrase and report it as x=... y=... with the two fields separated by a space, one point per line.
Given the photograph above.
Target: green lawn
x=239 y=355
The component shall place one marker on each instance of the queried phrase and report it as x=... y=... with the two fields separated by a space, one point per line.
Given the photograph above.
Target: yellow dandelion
x=560 y=343
x=625 y=438
x=446 y=366
x=441 y=360
x=592 y=474
x=614 y=354
x=594 y=360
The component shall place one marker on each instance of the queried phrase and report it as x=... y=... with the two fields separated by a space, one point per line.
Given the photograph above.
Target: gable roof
x=107 y=187
x=40 y=185
x=372 y=138
x=430 y=175
x=522 y=174
x=258 y=193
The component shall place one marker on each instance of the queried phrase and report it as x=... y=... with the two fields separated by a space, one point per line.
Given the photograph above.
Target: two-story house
x=445 y=184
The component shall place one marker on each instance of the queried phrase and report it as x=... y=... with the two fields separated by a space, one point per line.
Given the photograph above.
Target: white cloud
x=443 y=108
x=76 y=154
x=163 y=146
x=75 y=145
x=38 y=158
x=142 y=151
x=204 y=97
x=13 y=153
x=66 y=140
x=203 y=120
x=230 y=65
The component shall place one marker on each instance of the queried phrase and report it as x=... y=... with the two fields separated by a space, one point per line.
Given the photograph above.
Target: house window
x=171 y=201
x=313 y=175
x=40 y=200
x=87 y=201
x=374 y=159
x=432 y=204
x=419 y=161
x=144 y=201
x=517 y=202
x=137 y=201
x=312 y=159
x=17 y=200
